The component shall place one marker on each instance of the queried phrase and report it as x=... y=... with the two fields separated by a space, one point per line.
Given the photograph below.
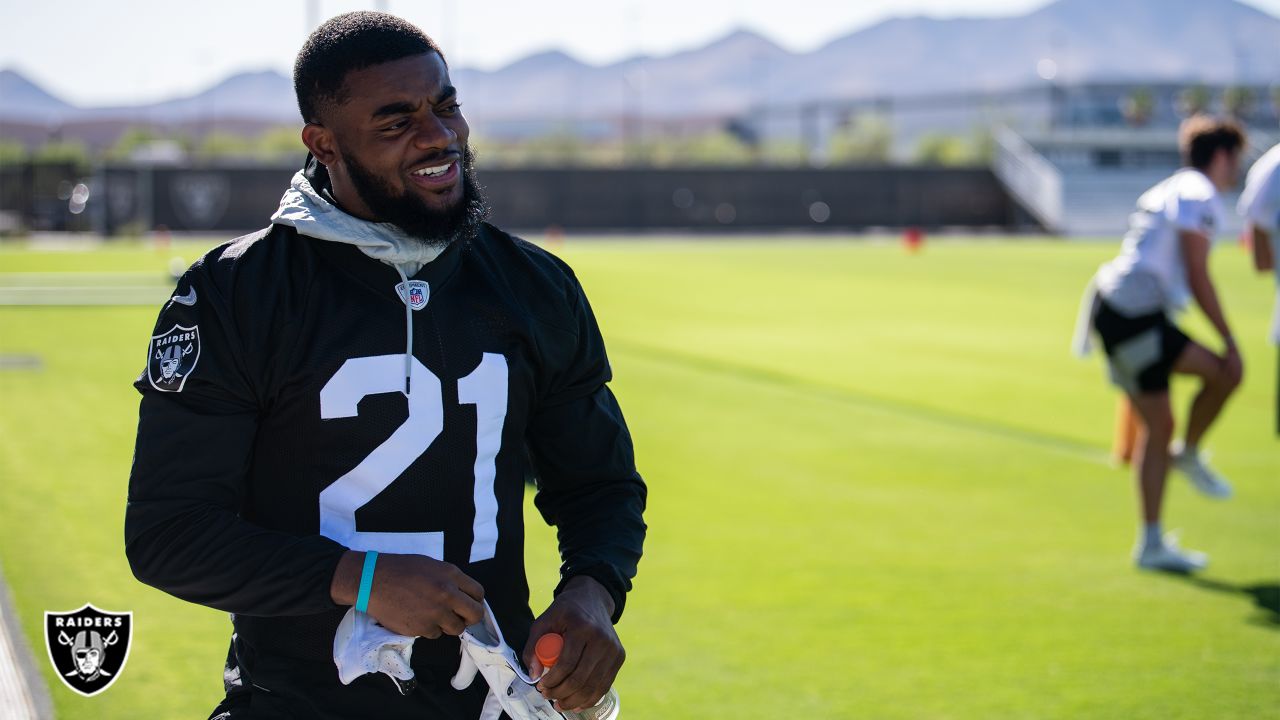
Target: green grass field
x=878 y=489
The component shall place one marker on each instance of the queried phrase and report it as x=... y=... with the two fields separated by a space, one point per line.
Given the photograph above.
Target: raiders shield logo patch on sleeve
x=88 y=647
x=172 y=357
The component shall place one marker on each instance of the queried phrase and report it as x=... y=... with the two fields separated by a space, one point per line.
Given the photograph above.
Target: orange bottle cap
x=548 y=648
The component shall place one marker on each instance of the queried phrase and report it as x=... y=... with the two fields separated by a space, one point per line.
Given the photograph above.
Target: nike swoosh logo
x=189 y=299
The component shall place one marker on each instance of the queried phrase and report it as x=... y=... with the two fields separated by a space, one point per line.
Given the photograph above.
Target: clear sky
x=96 y=52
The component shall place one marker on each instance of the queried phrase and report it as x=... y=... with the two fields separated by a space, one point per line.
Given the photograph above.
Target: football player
x=1260 y=207
x=1163 y=263
x=339 y=410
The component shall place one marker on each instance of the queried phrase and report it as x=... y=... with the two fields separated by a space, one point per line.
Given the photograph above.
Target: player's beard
x=411 y=214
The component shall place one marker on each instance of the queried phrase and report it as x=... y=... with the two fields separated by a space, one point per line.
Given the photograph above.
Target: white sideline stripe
x=75 y=278
x=153 y=295
x=17 y=700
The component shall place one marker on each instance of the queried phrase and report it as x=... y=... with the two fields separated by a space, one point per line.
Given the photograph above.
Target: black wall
x=215 y=199
x=748 y=199
x=35 y=196
x=236 y=199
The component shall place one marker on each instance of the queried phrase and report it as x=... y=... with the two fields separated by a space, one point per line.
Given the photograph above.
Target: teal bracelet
x=366 y=581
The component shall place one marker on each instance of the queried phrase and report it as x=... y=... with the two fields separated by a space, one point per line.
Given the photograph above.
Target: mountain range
x=1209 y=41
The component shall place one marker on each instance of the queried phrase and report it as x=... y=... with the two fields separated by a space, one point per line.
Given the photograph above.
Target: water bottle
x=547 y=649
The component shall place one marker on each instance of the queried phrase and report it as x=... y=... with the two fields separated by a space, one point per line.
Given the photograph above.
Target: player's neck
x=344 y=195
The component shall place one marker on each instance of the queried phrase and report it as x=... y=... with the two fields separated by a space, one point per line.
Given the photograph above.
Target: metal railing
x=1029 y=177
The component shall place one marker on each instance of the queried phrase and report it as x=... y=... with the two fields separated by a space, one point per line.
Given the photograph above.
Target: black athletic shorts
x=1142 y=350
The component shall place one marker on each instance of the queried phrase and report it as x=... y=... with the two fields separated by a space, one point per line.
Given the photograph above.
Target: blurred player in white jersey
x=1163 y=263
x=1260 y=207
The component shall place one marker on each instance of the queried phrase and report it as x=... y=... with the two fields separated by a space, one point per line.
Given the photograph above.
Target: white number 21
x=485 y=387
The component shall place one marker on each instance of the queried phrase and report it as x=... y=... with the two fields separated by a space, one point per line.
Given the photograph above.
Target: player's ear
x=320 y=141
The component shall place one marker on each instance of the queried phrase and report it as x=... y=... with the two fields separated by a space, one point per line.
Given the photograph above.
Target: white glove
x=362 y=646
x=484 y=651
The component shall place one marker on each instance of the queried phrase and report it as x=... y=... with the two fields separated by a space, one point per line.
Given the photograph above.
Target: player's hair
x=1201 y=136
x=348 y=42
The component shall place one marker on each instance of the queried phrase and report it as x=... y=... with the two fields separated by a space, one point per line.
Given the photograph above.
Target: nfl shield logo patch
x=172 y=357
x=88 y=647
x=416 y=293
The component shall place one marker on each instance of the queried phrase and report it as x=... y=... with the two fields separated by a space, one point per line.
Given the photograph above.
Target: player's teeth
x=433 y=171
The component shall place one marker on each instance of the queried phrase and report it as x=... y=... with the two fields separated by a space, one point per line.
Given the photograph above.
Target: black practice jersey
x=277 y=429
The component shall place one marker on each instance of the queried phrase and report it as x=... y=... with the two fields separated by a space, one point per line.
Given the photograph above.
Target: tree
x=282 y=142
x=73 y=152
x=1194 y=100
x=867 y=139
x=944 y=149
x=1137 y=107
x=712 y=148
x=558 y=147
x=983 y=148
x=1237 y=101
x=783 y=151
x=131 y=141
x=12 y=152
x=219 y=144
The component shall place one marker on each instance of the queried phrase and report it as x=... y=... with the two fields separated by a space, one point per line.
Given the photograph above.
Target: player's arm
x=184 y=535
x=1260 y=240
x=197 y=425
x=590 y=490
x=1260 y=207
x=1195 y=254
x=183 y=530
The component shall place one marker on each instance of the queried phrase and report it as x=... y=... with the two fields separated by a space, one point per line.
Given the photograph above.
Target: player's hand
x=592 y=653
x=413 y=594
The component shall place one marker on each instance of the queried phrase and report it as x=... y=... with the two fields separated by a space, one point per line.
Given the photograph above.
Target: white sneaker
x=1169 y=557
x=1206 y=480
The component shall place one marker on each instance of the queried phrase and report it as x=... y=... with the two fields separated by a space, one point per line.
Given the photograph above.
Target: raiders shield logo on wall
x=88 y=647
x=200 y=199
x=172 y=357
